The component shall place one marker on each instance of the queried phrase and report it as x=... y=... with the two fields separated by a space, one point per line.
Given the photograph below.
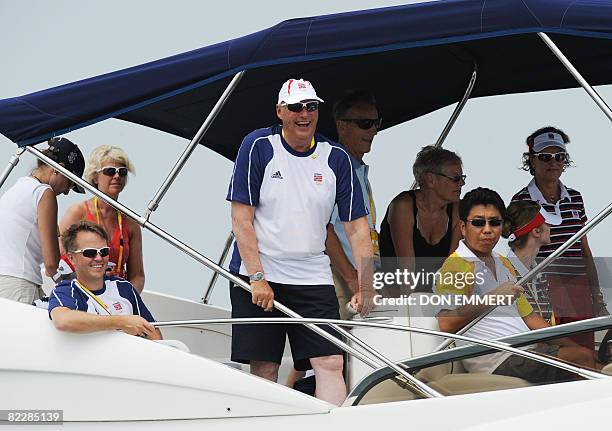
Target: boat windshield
x=474 y=369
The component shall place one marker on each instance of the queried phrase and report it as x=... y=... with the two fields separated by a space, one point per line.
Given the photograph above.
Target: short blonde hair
x=104 y=152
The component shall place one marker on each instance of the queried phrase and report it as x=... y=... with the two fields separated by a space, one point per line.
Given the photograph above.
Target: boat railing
x=477 y=346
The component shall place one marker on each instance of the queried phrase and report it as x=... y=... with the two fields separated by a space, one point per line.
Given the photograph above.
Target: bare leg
x=266 y=370
x=329 y=379
x=294 y=376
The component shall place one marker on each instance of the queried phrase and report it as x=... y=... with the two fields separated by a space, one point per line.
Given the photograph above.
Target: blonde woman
x=107 y=169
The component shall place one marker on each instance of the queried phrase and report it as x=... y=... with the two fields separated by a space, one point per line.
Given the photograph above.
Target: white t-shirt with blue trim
x=294 y=194
x=118 y=294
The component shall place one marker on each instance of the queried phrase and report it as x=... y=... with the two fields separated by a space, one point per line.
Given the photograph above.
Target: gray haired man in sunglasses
x=287 y=179
x=95 y=302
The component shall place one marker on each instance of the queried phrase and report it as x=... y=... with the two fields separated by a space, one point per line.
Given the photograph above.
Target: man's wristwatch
x=258 y=276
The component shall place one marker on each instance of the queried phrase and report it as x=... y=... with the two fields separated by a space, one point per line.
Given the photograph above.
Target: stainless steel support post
x=13 y=161
x=451 y=121
x=191 y=146
x=583 y=83
x=539 y=267
x=142 y=221
x=228 y=243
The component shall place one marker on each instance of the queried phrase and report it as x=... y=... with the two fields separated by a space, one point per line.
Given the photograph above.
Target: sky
x=45 y=44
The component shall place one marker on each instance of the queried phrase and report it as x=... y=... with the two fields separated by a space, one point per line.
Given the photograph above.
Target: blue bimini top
x=414 y=58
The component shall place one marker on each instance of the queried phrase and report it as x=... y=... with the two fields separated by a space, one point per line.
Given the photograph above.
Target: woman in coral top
x=107 y=169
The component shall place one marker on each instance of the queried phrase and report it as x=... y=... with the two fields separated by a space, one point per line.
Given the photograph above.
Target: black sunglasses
x=481 y=222
x=365 y=123
x=453 y=178
x=300 y=106
x=111 y=171
x=93 y=252
x=547 y=157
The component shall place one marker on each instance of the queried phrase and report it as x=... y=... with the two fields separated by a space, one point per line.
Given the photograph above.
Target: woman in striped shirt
x=572 y=279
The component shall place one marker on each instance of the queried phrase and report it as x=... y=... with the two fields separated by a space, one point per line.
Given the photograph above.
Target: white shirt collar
x=536 y=194
x=464 y=252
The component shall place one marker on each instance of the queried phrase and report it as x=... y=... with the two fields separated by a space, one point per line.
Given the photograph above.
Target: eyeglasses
x=561 y=156
x=453 y=178
x=93 y=252
x=111 y=171
x=365 y=123
x=300 y=106
x=481 y=222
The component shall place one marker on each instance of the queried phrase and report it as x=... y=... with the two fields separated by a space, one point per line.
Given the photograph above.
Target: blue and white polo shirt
x=118 y=294
x=294 y=194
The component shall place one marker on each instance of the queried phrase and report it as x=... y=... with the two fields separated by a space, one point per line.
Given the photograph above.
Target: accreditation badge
x=376 y=249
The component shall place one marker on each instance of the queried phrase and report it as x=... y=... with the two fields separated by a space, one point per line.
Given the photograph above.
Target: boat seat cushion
x=386 y=392
x=468 y=383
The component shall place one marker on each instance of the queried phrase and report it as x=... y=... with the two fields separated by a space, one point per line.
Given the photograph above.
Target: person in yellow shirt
x=475 y=269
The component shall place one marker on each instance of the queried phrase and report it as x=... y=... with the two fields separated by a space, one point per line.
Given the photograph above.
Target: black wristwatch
x=258 y=276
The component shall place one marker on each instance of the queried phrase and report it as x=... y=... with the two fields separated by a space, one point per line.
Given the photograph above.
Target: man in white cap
x=285 y=184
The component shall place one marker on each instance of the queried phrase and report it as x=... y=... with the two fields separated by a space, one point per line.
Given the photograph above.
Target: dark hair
x=529 y=141
x=350 y=99
x=70 y=234
x=432 y=159
x=518 y=214
x=480 y=196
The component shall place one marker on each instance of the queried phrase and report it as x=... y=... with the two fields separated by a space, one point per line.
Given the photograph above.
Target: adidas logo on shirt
x=277 y=174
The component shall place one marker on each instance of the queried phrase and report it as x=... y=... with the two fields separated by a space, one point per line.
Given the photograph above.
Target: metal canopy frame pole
x=142 y=221
x=208 y=292
x=586 y=228
x=453 y=118
x=13 y=161
x=539 y=267
x=570 y=67
x=191 y=146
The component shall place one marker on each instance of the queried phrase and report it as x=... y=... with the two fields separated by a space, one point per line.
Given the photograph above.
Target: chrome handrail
x=351 y=323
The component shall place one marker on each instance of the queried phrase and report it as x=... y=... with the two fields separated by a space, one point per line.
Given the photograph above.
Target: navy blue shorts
x=267 y=342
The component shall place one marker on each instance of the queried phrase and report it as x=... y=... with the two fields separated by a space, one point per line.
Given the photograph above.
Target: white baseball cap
x=548 y=139
x=297 y=90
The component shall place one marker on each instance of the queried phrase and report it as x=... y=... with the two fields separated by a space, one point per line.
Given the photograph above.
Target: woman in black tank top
x=421 y=227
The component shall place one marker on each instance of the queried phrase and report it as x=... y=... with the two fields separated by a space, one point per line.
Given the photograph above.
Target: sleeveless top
x=120 y=237
x=429 y=257
x=21 y=255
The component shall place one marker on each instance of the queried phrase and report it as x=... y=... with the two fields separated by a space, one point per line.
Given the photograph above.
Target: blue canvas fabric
x=415 y=58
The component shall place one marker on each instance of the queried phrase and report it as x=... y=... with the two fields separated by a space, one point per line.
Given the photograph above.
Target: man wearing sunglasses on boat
x=286 y=181
x=95 y=302
x=482 y=213
x=357 y=123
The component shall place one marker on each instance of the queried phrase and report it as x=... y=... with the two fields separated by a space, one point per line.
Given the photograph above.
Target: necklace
x=120 y=224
